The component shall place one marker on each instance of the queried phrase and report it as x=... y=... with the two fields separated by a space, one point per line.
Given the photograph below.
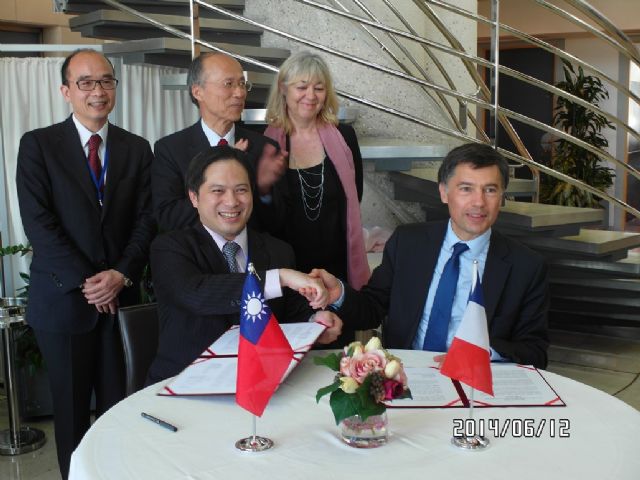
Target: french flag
x=469 y=357
x=264 y=354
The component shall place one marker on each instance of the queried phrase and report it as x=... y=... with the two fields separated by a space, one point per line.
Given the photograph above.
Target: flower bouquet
x=366 y=377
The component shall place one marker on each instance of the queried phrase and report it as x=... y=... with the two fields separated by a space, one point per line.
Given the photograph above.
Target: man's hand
x=271 y=166
x=330 y=282
x=311 y=288
x=242 y=144
x=333 y=324
x=103 y=287
x=111 y=307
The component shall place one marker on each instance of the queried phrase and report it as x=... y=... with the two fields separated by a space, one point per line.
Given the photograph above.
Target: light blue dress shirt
x=478 y=248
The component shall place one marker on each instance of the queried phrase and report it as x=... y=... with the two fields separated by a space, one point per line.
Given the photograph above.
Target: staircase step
x=117 y=25
x=176 y=52
x=599 y=351
x=598 y=244
x=393 y=154
x=580 y=268
x=167 y=7
x=580 y=318
x=551 y=219
x=595 y=287
x=257 y=116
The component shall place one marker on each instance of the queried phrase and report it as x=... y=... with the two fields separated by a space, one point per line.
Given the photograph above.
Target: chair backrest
x=139 y=330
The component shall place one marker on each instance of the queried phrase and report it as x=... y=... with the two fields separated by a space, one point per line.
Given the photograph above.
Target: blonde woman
x=316 y=203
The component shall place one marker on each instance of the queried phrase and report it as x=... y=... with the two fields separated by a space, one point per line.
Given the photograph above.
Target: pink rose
x=362 y=365
x=392 y=389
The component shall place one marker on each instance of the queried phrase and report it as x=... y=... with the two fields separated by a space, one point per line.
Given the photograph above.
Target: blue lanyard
x=99 y=182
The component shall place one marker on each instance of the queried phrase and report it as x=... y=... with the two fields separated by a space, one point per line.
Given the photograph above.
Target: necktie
x=94 y=159
x=222 y=142
x=229 y=250
x=436 y=337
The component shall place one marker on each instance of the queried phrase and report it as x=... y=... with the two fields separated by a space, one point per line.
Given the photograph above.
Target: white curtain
x=30 y=98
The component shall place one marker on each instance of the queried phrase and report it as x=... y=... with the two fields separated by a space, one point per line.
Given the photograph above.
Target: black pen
x=162 y=423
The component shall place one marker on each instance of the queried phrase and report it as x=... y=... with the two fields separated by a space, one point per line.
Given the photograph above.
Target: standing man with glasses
x=84 y=192
x=218 y=88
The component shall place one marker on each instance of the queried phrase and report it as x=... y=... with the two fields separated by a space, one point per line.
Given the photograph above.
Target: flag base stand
x=476 y=442
x=254 y=444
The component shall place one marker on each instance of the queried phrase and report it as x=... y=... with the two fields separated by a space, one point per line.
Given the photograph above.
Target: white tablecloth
x=121 y=445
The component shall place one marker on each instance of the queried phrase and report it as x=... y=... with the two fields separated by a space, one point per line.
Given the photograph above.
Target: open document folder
x=513 y=386
x=214 y=371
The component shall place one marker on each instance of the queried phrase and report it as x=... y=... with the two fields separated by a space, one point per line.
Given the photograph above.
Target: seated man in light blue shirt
x=401 y=293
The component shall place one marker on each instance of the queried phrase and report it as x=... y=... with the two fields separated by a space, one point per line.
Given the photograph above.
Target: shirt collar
x=85 y=133
x=476 y=246
x=214 y=138
x=241 y=239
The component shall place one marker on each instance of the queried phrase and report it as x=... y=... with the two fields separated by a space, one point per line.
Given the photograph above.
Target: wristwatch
x=127 y=281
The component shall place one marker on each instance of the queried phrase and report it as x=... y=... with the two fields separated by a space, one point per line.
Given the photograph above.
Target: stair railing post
x=495 y=59
x=195 y=29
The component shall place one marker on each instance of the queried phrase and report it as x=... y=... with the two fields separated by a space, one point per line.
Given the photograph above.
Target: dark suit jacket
x=198 y=299
x=514 y=282
x=171 y=205
x=72 y=237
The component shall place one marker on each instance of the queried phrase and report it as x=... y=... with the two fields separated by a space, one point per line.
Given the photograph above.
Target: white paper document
x=513 y=385
x=301 y=337
x=214 y=372
x=516 y=385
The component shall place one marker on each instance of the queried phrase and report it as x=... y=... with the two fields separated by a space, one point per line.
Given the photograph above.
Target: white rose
x=391 y=369
x=348 y=385
x=373 y=344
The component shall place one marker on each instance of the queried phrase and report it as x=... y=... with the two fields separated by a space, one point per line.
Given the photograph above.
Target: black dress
x=316 y=235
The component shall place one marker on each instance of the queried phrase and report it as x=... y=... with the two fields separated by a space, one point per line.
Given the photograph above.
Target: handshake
x=320 y=288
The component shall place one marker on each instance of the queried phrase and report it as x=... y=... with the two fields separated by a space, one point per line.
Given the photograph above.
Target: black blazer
x=72 y=237
x=514 y=282
x=198 y=299
x=171 y=205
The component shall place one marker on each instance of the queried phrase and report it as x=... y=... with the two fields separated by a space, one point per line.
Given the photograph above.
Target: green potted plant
x=573 y=160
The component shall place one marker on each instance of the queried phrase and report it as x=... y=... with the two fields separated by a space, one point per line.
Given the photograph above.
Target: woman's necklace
x=312 y=191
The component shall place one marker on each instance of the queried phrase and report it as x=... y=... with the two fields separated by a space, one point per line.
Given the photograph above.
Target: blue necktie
x=435 y=339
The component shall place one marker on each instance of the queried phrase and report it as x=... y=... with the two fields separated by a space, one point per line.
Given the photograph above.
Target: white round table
x=122 y=445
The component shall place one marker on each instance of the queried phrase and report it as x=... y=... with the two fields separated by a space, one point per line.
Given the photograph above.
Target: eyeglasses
x=88 y=85
x=232 y=85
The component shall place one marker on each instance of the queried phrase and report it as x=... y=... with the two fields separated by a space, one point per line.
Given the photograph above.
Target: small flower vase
x=369 y=433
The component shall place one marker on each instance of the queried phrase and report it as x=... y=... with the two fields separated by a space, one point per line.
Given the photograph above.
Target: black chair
x=139 y=330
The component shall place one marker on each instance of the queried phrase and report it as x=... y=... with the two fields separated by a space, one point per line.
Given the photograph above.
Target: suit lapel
x=198 y=142
x=422 y=268
x=496 y=271
x=210 y=250
x=72 y=158
x=117 y=157
x=257 y=253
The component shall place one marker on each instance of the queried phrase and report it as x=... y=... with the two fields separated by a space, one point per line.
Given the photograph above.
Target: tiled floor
x=609 y=364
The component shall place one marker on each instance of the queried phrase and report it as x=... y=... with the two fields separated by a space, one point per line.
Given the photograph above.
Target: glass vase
x=370 y=433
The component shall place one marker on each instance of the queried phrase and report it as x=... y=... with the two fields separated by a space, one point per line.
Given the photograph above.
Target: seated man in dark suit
x=402 y=292
x=197 y=271
x=217 y=87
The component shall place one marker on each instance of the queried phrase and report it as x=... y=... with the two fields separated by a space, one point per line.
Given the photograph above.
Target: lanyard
x=99 y=182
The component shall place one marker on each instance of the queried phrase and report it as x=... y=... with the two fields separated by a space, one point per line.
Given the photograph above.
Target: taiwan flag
x=264 y=354
x=469 y=356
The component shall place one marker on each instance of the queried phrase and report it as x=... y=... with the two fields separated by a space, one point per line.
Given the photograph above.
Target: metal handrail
x=405 y=51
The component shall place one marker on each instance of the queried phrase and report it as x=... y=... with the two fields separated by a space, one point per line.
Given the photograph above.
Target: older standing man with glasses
x=85 y=201
x=218 y=88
